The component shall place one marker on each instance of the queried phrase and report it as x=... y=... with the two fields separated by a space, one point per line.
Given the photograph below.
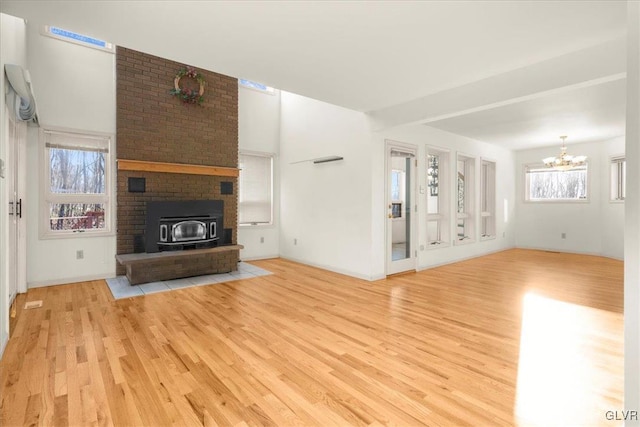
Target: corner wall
x=75 y=88
x=595 y=227
x=259 y=131
x=13 y=50
x=325 y=208
x=423 y=136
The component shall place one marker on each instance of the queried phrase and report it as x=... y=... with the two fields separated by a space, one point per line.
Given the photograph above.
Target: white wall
x=423 y=136
x=259 y=131
x=632 y=218
x=593 y=227
x=325 y=207
x=13 y=44
x=75 y=89
x=612 y=212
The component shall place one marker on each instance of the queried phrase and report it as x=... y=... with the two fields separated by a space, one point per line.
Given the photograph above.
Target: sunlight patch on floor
x=561 y=380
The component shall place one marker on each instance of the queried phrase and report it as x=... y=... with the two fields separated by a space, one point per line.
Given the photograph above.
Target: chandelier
x=565 y=162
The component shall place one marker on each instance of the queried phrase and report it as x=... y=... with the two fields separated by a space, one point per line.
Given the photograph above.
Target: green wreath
x=189 y=96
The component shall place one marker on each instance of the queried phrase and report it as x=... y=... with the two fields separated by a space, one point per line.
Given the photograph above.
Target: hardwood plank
x=517 y=337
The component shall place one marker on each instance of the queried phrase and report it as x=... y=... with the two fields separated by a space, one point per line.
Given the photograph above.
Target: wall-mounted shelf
x=320 y=160
x=139 y=165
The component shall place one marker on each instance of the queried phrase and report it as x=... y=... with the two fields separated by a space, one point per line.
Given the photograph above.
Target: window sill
x=77 y=235
x=430 y=247
x=251 y=226
x=557 y=201
x=463 y=242
x=483 y=238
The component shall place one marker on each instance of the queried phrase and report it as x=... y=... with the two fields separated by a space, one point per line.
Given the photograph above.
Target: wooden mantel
x=139 y=165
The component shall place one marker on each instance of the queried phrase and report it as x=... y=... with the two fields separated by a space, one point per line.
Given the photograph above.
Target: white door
x=401 y=210
x=15 y=171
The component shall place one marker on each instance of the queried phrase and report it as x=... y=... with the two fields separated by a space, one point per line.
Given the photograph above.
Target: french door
x=401 y=212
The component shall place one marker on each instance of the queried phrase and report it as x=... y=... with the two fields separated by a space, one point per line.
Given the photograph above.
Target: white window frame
x=617 y=184
x=271 y=156
x=488 y=197
x=469 y=213
x=99 y=140
x=443 y=216
x=525 y=177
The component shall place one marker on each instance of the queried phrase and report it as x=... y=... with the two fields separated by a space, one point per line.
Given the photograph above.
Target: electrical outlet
x=563 y=235
x=504 y=234
x=295 y=242
x=261 y=239
x=80 y=254
x=422 y=247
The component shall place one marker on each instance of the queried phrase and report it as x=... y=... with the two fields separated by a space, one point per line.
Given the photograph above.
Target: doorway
x=401 y=202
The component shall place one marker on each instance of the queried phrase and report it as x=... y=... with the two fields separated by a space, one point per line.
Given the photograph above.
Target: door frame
x=16 y=137
x=410 y=263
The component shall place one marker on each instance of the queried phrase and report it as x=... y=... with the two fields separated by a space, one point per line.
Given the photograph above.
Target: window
x=257 y=86
x=544 y=184
x=488 y=200
x=255 y=189
x=398 y=178
x=76 y=185
x=618 y=178
x=465 y=225
x=437 y=198
x=81 y=39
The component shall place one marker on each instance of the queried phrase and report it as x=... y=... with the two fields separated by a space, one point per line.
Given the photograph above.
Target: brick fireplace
x=154 y=126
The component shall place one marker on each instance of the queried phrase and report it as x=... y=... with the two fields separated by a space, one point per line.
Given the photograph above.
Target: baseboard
x=453 y=261
x=3 y=346
x=258 y=258
x=570 y=252
x=335 y=270
x=66 y=281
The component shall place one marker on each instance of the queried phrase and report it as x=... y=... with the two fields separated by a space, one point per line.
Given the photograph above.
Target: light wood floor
x=518 y=337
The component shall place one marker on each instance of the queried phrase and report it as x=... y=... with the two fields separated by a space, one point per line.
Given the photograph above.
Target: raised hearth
x=153 y=267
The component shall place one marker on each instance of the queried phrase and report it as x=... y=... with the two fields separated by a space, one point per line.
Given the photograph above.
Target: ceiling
x=372 y=56
x=589 y=114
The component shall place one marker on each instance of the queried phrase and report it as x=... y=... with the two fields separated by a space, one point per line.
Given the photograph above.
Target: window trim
x=470 y=201
x=614 y=160
x=538 y=165
x=486 y=214
x=272 y=156
x=108 y=199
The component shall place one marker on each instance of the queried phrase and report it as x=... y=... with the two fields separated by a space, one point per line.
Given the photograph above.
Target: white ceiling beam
x=592 y=66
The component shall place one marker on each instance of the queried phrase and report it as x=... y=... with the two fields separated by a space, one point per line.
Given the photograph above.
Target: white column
x=632 y=218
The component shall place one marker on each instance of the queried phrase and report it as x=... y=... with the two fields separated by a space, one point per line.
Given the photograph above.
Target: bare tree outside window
x=549 y=184
x=76 y=172
x=77 y=182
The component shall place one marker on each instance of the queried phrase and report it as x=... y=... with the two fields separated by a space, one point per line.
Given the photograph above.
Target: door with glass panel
x=401 y=207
